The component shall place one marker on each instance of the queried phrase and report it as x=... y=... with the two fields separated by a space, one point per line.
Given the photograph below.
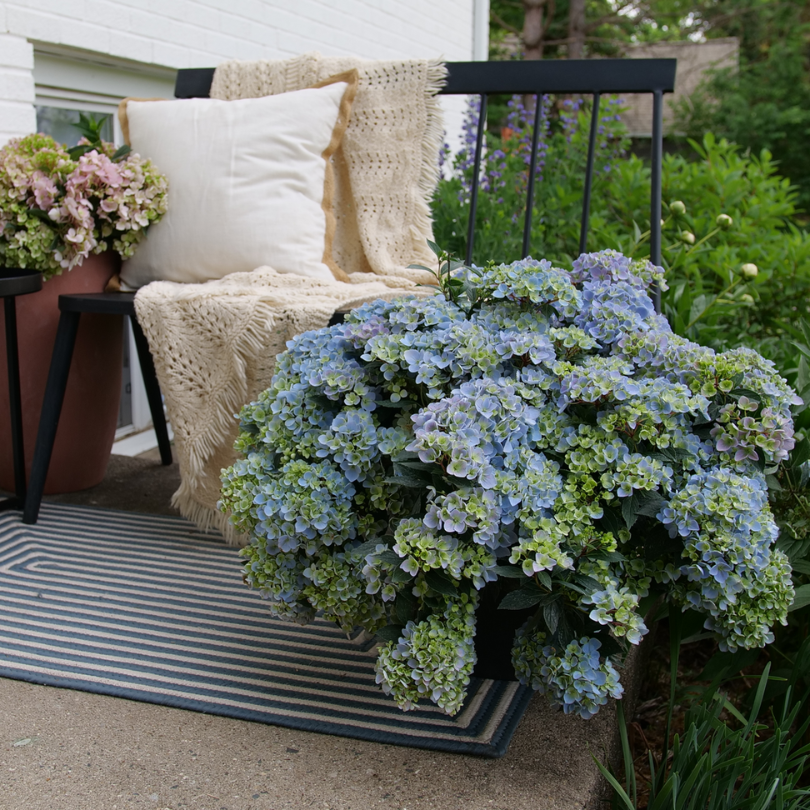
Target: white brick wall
x=17 y=115
x=202 y=33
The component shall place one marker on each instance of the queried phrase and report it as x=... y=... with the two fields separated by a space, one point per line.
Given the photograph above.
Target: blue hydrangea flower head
x=533 y=431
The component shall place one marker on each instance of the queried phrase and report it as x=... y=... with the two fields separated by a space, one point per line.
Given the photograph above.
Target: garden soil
x=67 y=750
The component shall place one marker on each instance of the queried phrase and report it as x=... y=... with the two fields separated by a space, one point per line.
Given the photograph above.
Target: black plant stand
x=14 y=282
x=72 y=307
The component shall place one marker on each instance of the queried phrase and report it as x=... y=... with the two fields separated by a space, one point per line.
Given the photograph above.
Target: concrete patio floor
x=68 y=750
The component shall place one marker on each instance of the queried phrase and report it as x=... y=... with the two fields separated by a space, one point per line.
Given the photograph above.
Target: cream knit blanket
x=386 y=168
x=215 y=344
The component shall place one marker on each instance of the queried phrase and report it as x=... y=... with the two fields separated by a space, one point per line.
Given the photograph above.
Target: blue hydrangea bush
x=527 y=429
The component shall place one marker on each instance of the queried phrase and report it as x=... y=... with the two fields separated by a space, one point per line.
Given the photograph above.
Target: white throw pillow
x=250 y=183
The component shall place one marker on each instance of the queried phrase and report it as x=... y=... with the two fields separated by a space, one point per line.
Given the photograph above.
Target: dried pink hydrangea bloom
x=92 y=204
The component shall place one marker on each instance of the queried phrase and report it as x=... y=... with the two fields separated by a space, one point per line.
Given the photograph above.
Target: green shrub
x=710 y=299
x=765 y=104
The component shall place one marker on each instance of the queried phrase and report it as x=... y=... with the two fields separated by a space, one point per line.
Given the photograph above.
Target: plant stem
x=697 y=244
x=787 y=658
x=714 y=301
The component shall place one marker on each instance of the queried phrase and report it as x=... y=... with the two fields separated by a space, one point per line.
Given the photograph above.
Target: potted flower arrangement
x=71 y=214
x=529 y=432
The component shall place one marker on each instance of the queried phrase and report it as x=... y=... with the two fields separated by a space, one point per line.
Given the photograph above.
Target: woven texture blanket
x=215 y=348
x=387 y=166
x=215 y=344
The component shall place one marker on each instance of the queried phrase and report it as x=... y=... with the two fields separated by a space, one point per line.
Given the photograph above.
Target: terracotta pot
x=90 y=411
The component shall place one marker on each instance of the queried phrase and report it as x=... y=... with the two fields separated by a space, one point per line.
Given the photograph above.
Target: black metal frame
x=72 y=307
x=595 y=77
x=580 y=76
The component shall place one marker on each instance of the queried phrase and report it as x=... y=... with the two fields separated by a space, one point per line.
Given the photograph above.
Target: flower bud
x=688 y=237
x=677 y=208
x=749 y=270
x=747 y=299
x=724 y=222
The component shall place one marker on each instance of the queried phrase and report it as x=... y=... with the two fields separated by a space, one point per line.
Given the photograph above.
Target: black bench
x=594 y=77
x=579 y=76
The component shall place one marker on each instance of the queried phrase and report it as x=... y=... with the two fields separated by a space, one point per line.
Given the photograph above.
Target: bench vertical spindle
x=656 y=158
x=586 y=197
x=527 y=223
x=476 y=180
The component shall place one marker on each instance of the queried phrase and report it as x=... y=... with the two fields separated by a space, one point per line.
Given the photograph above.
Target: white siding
x=139 y=34
x=195 y=33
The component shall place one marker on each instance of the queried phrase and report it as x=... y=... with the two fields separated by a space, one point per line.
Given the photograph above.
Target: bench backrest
x=594 y=77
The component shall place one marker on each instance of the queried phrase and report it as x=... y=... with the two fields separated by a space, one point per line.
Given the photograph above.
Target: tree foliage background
x=763 y=105
x=766 y=105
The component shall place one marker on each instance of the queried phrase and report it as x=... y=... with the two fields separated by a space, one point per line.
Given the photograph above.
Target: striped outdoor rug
x=152 y=609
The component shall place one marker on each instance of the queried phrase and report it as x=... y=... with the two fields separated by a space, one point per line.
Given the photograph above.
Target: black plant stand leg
x=152 y=392
x=51 y=410
x=15 y=406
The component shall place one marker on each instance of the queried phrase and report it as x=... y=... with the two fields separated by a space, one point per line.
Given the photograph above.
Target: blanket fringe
x=207 y=518
x=248 y=344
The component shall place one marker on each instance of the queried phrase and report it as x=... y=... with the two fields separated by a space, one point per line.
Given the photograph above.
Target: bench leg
x=15 y=406
x=51 y=410
x=152 y=392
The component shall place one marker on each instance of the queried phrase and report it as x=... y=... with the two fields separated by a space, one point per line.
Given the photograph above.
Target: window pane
x=57 y=122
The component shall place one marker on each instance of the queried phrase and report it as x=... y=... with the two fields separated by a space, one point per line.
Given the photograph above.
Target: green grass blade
x=614 y=783
x=734 y=711
x=701 y=772
x=755 y=707
x=629 y=768
x=766 y=800
x=661 y=797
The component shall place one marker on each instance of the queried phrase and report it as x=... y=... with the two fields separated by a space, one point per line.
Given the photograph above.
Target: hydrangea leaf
x=364 y=549
x=391 y=632
x=398 y=576
x=630 y=507
x=441 y=583
x=405 y=481
x=611 y=521
x=404 y=607
x=509 y=571
x=552 y=613
x=389 y=557
x=607 y=556
x=800 y=454
x=745 y=392
x=521 y=599
x=648 y=504
x=544 y=578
